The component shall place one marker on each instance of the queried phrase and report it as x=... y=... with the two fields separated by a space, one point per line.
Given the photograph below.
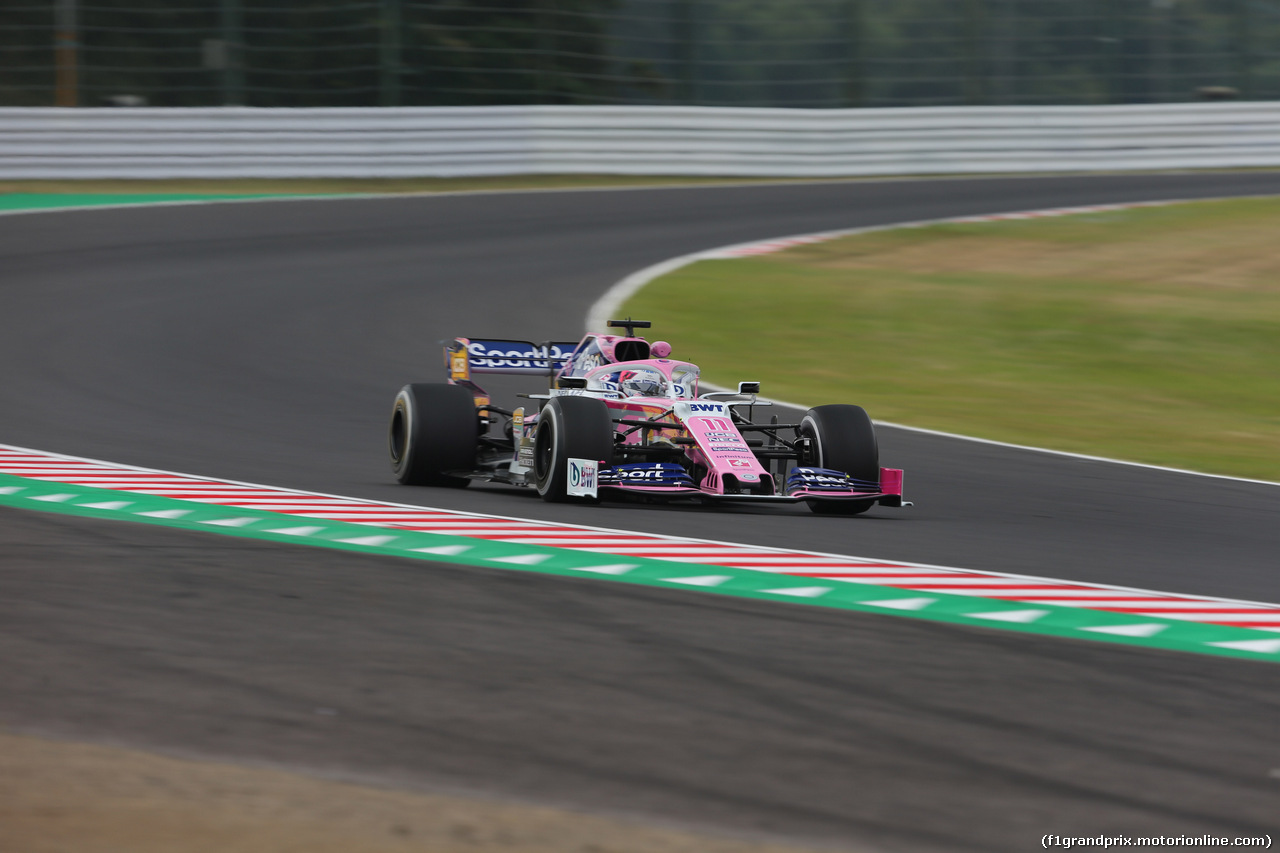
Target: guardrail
x=446 y=141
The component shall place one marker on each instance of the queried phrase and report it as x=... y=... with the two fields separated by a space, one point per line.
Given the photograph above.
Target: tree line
x=807 y=53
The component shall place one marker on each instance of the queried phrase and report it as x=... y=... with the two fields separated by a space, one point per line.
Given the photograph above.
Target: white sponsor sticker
x=582 y=478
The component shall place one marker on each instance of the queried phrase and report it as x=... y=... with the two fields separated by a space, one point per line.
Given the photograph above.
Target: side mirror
x=751 y=388
x=572 y=382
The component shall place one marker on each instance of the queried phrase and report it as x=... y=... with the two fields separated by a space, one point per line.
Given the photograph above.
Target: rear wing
x=464 y=357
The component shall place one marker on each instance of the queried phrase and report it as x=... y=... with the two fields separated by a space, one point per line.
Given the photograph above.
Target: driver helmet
x=639 y=384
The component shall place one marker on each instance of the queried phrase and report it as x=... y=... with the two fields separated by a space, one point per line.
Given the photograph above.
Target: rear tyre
x=843 y=439
x=433 y=435
x=569 y=428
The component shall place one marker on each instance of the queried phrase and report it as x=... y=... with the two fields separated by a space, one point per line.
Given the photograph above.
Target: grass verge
x=1149 y=334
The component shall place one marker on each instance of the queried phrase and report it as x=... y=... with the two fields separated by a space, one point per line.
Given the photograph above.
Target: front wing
x=888 y=493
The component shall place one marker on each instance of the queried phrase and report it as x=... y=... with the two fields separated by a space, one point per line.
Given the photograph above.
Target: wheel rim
x=543 y=452
x=809 y=430
x=399 y=434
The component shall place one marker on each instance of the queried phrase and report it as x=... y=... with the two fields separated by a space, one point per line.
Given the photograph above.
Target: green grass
x=1147 y=334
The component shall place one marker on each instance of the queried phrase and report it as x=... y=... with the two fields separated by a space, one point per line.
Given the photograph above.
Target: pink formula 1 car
x=623 y=418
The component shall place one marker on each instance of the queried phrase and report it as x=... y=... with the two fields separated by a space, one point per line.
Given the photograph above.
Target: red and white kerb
x=916 y=577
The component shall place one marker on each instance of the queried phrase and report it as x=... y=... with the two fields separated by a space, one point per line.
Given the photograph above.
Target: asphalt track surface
x=264 y=342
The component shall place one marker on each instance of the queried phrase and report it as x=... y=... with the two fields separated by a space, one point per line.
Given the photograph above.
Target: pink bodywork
x=721 y=447
x=723 y=450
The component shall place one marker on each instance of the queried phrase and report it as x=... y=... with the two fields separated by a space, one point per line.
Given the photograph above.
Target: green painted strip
x=56 y=201
x=1072 y=622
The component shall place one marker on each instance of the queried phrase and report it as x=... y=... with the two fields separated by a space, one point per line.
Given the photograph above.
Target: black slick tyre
x=843 y=439
x=569 y=428
x=433 y=435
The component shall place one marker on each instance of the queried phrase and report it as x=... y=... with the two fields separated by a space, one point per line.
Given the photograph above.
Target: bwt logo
x=582 y=475
x=706 y=407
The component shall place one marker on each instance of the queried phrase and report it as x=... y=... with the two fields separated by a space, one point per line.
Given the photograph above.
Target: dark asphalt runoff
x=264 y=342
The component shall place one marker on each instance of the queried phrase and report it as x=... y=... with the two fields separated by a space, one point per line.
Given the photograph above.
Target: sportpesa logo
x=515 y=355
x=642 y=474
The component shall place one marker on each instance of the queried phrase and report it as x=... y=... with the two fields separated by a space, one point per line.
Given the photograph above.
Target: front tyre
x=433 y=435
x=843 y=439
x=569 y=428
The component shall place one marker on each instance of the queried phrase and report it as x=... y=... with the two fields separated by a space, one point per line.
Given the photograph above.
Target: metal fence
x=450 y=141
x=791 y=53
